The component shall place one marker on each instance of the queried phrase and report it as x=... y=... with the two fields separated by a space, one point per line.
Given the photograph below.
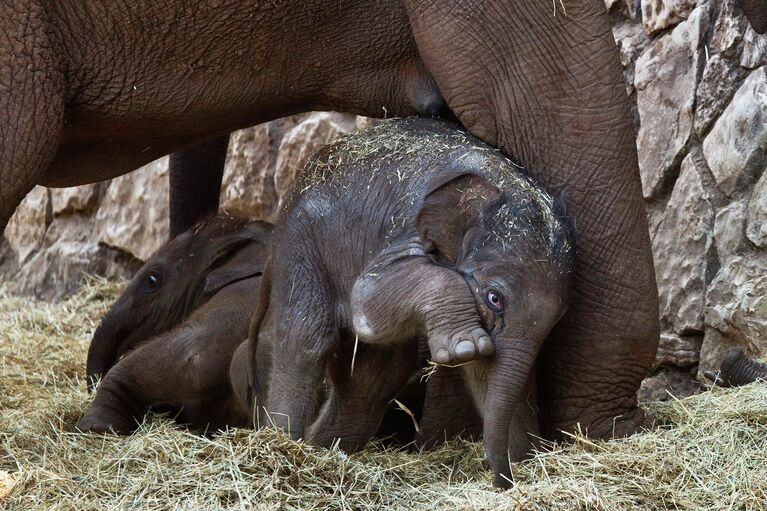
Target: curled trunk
x=737 y=369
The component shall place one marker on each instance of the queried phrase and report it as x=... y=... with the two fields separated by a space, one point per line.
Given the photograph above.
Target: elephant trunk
x=105 y=345
x=506 y=381
x=737 y=369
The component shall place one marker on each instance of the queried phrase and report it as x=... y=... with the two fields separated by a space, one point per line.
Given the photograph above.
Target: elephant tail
x=262 y=306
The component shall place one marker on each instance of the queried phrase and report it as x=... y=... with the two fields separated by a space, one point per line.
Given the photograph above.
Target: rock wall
x=695 y=72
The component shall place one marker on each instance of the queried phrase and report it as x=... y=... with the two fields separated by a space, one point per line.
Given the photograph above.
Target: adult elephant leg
x=31 y=103
x=546 y=88
x=195 y=182
x=756 y=13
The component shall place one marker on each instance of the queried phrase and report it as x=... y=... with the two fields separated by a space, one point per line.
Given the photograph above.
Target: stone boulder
x=70 y=254
x=683 y=248
x=736 y=146
x=660 y=14
x=77 y=199
x=736 y=310
x=301 y=141
x=133 y=215
x=756 y=217
x=25 y=232
x=665 y=80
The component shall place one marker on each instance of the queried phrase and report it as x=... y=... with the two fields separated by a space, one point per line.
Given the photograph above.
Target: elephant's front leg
x=305 y=335
x=411 y=298
x=177 y=368
x=363 y=381
x=557 y=106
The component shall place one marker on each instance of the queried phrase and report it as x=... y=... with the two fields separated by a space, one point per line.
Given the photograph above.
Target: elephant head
x=514 y=249
x=756 y=13
x=175 y=281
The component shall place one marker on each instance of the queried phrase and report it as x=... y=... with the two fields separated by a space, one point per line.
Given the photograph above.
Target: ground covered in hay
x=709 y=453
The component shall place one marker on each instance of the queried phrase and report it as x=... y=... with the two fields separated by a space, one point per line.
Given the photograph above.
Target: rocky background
x=695 y=72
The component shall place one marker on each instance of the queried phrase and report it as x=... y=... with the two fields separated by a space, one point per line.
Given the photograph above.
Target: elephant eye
x=494 y=300
x=153 y=282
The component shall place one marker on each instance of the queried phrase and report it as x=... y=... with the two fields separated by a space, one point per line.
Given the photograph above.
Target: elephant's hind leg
x=31 y=102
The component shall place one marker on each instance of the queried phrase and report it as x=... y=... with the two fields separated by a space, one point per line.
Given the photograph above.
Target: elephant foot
x=99 y=420
x=620 y=426
x=460 y=347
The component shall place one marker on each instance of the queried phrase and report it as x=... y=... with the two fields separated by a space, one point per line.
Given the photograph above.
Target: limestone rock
x=248 y=185
x=729 y=227
x=727 y=37
x=26 y=230
x=300 y=142
x=682 y=248
x=721 y=78
x=756 y=229
x=631 y=41
x=659 y=14
x=754 y=53
x=722 y=74
x=133 y=215
x=678 y=351
x=70 y=253
x=77 y=199
x=735 y=147
x=736 y=310
x=679 y=383
x=665 y=80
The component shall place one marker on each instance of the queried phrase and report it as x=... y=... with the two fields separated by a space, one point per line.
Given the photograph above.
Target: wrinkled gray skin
x=168 y=340
x=756 y=13
x=406 y=231
x=737 y=369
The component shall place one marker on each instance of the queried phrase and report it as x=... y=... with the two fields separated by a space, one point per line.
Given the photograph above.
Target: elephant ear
x=238 y=256
x=452 y=207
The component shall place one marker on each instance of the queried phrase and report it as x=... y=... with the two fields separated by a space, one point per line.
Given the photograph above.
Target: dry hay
x=710 y=453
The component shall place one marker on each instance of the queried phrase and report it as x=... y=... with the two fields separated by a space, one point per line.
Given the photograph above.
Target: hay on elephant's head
x=710 y=451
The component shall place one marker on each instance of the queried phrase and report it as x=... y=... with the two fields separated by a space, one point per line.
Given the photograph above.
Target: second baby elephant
x=167 y=342
x=412 y=230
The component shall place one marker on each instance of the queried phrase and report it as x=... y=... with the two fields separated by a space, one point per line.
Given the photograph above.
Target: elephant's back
x=363 y=190
x=396 y=157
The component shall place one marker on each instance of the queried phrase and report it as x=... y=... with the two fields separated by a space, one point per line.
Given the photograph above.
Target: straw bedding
x=709 y=452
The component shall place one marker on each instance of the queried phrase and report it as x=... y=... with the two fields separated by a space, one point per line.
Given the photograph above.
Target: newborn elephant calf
x=410 y=230
x=176 y=327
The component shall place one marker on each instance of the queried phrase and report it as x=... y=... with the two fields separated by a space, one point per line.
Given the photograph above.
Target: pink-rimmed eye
x=494 y=300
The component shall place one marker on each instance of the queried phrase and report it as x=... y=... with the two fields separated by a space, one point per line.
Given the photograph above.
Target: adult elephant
x=92 y=90
x=756 y=13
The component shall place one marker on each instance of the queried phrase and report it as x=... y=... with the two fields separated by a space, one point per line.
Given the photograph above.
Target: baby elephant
x=167 y=342
x=412 y=230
